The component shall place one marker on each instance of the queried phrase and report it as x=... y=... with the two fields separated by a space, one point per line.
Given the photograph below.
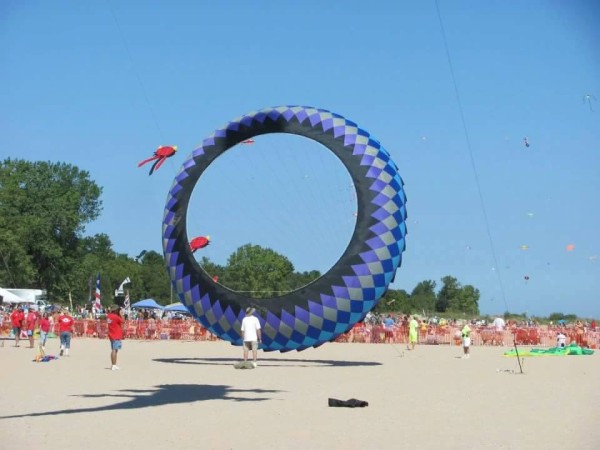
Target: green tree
x=44 y=208
x=258 y=272
x=468 y=300
x=296 y=280
x=211 y=268
x=423 y=297
x=154 y=279
x=447 y=298
x=394 y=300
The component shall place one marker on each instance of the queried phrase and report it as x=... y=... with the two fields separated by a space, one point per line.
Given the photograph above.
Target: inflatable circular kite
x=332 y=304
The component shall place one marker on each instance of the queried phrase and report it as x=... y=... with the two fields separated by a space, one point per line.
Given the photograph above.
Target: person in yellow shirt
x=412 y=333
x=466 y=340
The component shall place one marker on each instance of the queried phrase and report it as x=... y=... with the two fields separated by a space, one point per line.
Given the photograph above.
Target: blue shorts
x=116 y=345
x=65 y=339
x=29 y=332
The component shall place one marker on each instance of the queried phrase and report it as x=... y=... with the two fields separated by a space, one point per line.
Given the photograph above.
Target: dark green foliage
x=44 y=208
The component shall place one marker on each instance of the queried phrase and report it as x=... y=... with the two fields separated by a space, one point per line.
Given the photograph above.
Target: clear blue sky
x=100 y=84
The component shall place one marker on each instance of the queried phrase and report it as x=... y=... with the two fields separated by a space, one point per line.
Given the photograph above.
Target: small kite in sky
x=589 y=98
x=160 y=156
x=526 y=278
x=248 y=142
x=593 y=257
x=530 y=214
x=570 y=247
x=199 y=242
x=526 y=142
x=524 y=247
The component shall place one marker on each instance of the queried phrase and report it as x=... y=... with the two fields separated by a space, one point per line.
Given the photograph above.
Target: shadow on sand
x=270 y=362
x=164 y=394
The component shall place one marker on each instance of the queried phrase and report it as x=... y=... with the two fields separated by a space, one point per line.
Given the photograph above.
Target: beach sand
x=173 y=394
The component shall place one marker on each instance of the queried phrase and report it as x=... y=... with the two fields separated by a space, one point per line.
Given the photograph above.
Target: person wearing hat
x=252 y=334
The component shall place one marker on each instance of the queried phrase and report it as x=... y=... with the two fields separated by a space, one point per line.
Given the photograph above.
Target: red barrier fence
x=448 y=335
x=145 y=329
x=361 y=333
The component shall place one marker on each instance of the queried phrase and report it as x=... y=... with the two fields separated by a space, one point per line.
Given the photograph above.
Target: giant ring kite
x=330 y=305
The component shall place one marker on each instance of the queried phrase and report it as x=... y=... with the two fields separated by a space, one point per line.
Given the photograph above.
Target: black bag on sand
x=352 y=403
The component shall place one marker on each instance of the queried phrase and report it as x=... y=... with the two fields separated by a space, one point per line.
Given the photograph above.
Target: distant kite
x=199 y=242
x=248 y=141
x=589 y=98
x=570 y=247
x=160 y=156
x=524 y=247
x=526 y=278
x=141 y=255
x=526 y=142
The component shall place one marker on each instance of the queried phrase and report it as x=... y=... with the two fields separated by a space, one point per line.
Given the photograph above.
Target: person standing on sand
x=17 y=317
x=115 y=334
x=30 y=324
x=412 y=333
x=466 y=340
x=44 y=330
x=65 y=328
x=252 y=335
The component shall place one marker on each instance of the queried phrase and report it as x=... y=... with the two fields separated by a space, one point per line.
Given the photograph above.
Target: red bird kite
x=160 y=155
x=199 y=242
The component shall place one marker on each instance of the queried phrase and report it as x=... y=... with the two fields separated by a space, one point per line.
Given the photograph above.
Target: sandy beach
x=173 y=394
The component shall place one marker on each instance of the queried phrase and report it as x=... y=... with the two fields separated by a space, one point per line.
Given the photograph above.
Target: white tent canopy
x=9 y=297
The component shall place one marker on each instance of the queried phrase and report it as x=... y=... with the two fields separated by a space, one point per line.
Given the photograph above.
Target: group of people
x=28 y=320
x=414 y=327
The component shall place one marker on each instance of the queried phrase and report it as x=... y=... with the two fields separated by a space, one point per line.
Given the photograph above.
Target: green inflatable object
x=572 y=349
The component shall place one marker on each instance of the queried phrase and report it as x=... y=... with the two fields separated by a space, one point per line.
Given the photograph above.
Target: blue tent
x=177 y=307
x=147 y=303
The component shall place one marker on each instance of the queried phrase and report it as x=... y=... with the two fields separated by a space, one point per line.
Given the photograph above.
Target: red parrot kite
x=199 y=242
x=160 y=155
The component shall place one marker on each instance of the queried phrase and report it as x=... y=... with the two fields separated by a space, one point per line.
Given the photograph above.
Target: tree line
x=45 y=207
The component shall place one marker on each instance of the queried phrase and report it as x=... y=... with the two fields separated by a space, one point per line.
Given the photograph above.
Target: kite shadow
x=163 y=394
x=269 y=362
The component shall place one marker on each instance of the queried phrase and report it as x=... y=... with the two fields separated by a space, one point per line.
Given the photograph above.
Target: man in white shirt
x=251 y=334
x=499 y=324
x=561 y=340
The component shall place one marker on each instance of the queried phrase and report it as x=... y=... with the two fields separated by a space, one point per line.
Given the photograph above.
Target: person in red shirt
x=65 y=328
x=17 y=317
x=30 y=323
x=115 y=334
x=44 y=330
